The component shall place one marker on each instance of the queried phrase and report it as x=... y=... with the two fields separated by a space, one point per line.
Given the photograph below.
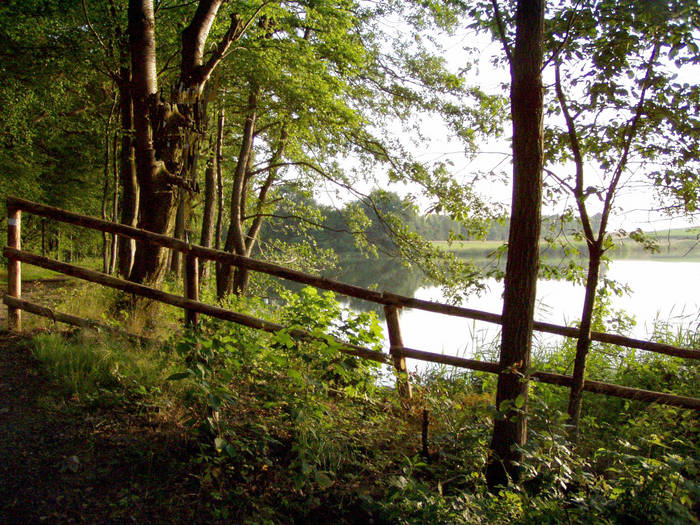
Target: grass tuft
x=86 y=363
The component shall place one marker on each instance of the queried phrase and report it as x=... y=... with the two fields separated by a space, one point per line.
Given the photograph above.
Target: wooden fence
x=391 y=302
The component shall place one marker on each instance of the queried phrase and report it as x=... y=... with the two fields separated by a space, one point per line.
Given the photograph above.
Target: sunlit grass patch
x=86 y=364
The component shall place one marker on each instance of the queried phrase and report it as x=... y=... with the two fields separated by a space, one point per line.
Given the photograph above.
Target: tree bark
x=241 y=277
x=43 y=237
x=115 y=204
x=127 y=175
x=584 y=340
x=235 y=239
x=167 y=134
x=105 y=193
x=523 y=242
x=156 y=195
x=208 y=214
x=179 y=233
x=219 y=179
x=105 y=188
x=58 y=242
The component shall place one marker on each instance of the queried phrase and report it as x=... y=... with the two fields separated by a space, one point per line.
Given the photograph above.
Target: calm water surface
x=669 y=291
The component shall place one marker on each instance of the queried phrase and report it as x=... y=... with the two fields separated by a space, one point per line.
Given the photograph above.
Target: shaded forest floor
x=62 y=464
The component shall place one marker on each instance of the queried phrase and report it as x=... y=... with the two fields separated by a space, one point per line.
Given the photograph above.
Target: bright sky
x=635 y=203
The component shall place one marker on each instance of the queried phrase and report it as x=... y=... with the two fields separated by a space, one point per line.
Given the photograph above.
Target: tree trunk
x=235 y=239
x=179 y=233
x=584 y=341
x=208 y=214
x=127 y=175
x=241 y=277
x=167 y=134
x=219 y=179
x=523 y=242
x=105 y=195
x=115 y=204
x=156 y=195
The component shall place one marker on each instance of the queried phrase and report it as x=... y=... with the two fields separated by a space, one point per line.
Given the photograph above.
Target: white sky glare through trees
x=636 y=204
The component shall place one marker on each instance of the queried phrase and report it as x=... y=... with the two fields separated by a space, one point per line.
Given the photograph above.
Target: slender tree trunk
x=127 y=175
x=241 y=278
x=584 y=341
x=176 y=259
x=105 y=192
x=219 y=179
x=523 y=241
x=213 y=198
x=235 y=239
x=115 y=204
x=208 y=214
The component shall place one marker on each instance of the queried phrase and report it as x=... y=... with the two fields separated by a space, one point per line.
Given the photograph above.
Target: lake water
x=669 y=291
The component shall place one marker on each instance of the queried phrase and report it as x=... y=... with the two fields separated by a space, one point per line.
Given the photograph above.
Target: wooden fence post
x=191 y=287
x=14 y=267
x=403 y=384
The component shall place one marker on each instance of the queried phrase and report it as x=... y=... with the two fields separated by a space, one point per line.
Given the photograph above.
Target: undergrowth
x=290 y=431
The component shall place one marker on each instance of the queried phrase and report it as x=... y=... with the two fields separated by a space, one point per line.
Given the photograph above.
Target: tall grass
x=86 y=363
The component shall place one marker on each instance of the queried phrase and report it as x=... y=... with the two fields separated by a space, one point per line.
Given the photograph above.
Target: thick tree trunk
x=156 y=195
x=523 y=241
x=584 y=341
x=167 y=134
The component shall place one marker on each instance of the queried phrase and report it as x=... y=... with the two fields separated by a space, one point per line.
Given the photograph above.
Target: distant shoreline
x=669 y=249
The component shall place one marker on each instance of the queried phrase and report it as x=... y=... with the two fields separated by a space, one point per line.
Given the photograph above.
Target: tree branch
x=569 y=26
x=501 y=30
x=307 y=221
x=235 y=31
x=575 y=145
x=97 y=36
x=630 y=132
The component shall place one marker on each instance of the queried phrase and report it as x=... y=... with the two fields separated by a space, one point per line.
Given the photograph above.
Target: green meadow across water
x=682 y=244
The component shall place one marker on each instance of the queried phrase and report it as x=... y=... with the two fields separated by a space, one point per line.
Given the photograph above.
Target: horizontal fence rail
x=392 y=303
x=383 y=298
x=176 y=300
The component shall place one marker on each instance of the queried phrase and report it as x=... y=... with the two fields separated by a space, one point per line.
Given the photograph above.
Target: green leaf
x=220 y=443
x=519 y=401
x=323 y=480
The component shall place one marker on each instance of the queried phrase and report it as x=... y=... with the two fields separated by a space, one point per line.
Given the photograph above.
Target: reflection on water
x=668 y=291
x=381 y=274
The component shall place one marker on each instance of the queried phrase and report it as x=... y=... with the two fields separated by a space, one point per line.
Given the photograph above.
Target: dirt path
x=65 y=463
